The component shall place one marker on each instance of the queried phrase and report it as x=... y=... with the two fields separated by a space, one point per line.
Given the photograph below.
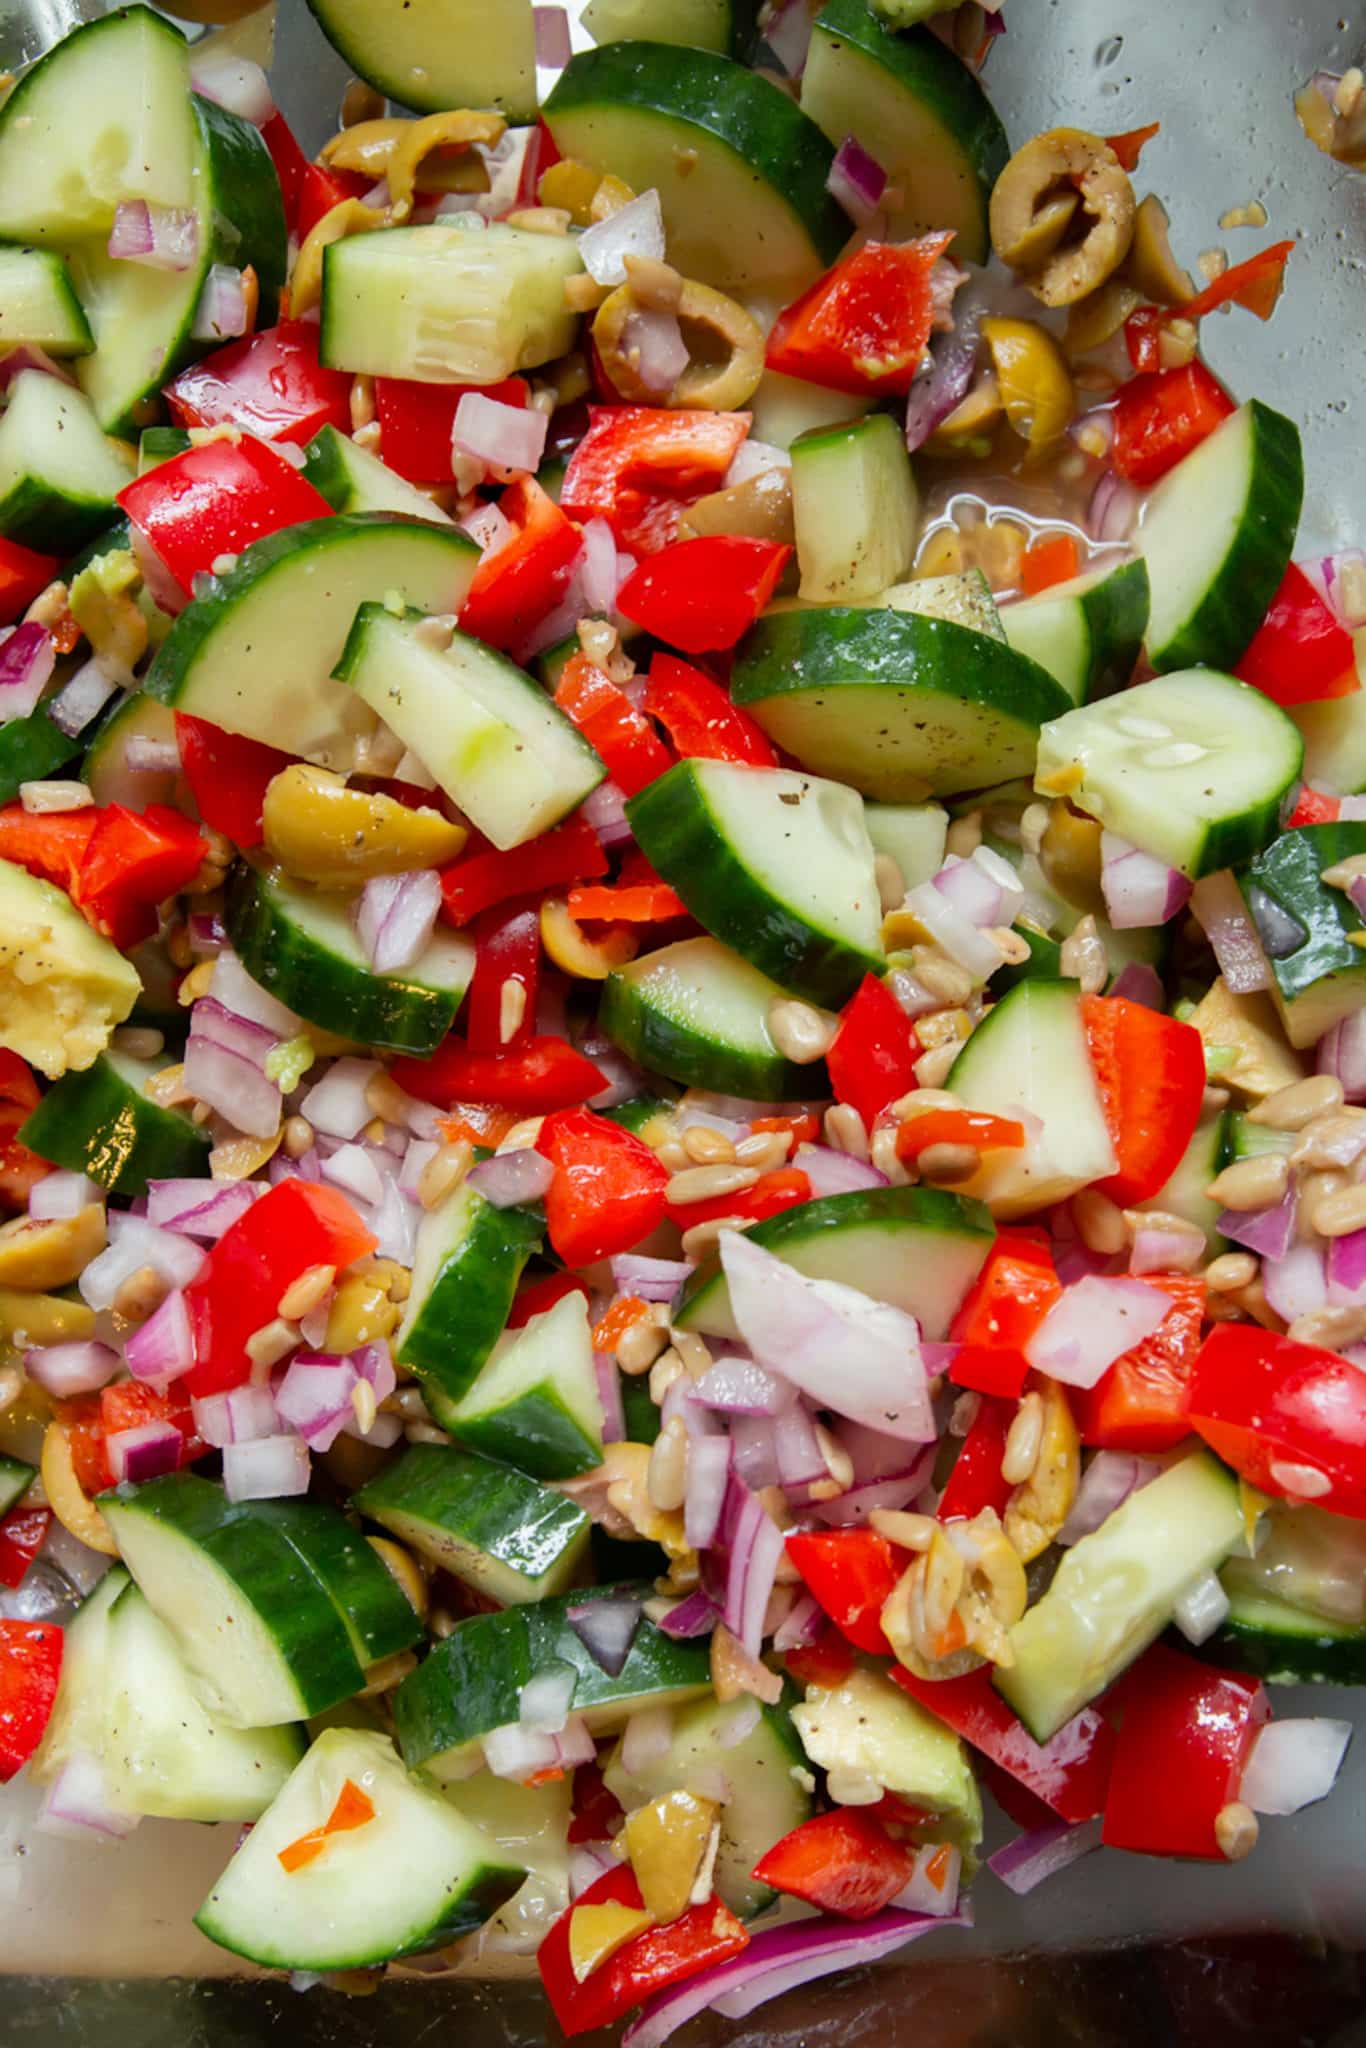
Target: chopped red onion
x=694 y=1616
x=876 y=1455
x=649 y=1279
x=221 y=314
x=709 y=1461
x=653 y=339
x=163 y=1348
x=489 y=527
x=1296 y=1285
x=1139 y=982
x=314 y=1397
x=1342 y=1052
x=142 y=755
x=144 y=1453
x=970 y=890
x=81 y=1367
x=234 y=988
x=949 y=926
x=1218 y=903
x=1109 y=1479
x=1093 y=1323
x=835 y=1173
x=1293 y=1763
x=502 y=436
x=243 y=1415
x=1139 y=889
x=646 y=1738
x=1201 y=1609
x=266 y=1468
x=753 y=1449
x=754 y=1546
x=394 y=1221
x=622 y=1079
x=59 y=1195
x=787 y=34
x=1346 y=1266
x=754 y=458
x=853 y=1508
x=1114 y=509
x=608 y=1376
x=28 y=356
x=553 y=49
x=796 y=1448
x=607 y=1629
x=544 y=1701
x=598 y=568
x=946 y=372
x=605 y=810
x=27 y=659
x=199 y=1208
x=637 y=229
x=739 y=1724
x=1032 y=1857
x=79 y=1803
x=134 y=1243
x=1171 y=1248
x=588 y=1862
x=856 y=181
x=737 y=1386
x=518 y=1753
x=805 y=1622
x=510 y=1178
x=352 y=1168
x=233 y=1085
x=374 y=1363
x=337 y=1104
x=232 y=82
x=161 y=237
x=1268 y=1232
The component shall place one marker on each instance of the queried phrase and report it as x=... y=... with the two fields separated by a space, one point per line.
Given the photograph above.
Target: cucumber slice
x=375 y=1611
x=1115 y=1590
x=78 y=1719
x=1285 y=1644
x=103 y=1123
x=64 y=987
x=301 y=944
x=965 y=599
x=530 y=1823
x=920 y=1249
x=919 y=111
x=161 y=444
x=1334 y=734
x=777 y=865
x=59 y=476
x=105 y=770
x=871 y=1726
x=295 y=594
x=536 y=1404
x=353 y=480
x=1184 y=1194
x=15 y=1480
x=468 y=1261
x=855 y=509
x=1217 y=536
x=1296 y=1608
x=447 y=305
x=1088 y=633
x=765 y=1773
x=472 y=1683
x=446 y=53
x=786 y=407
x=501 y=750
x=31 y=749
x=914 y=835
x=901 y=706
x=1193 y=767
x=728 y=26
x=38 y=306
x=416 y=1876
x=488 y=1524
x=1323 y=979
x=639 y=1111
x=263 y=1641
x=739 y=169
x=699 y=1013
x=1029 y=1052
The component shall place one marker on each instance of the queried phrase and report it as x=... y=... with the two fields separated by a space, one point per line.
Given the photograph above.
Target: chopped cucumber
x=1192 y=768
x=161 y=444
x=103 y=1123
x=530 y=1823
x=1217 y=536
x=78 y=1721
x=1115 y=1591
x=1286 y=1644
x=728 y=26
x=914 y=835
x=376 y=1613
x=536 y=1403
x=1088 y=633
x=966 y=600
x=1297 y=1611
x=869 y=1727
x=31 y=749
x=855 y=509
x=901 y=706
x=1334 y=733
x=353 y=480
x=699 y=1013
x=1184 y=1194
x=469 y=1259
x=786 y=407
x=445 y=53
x=105 y=769
x=1322 y=979
x=16 y=1477
x=38 y=307
x=59 y=476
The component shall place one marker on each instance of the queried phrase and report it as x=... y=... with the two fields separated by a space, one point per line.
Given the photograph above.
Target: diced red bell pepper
x=20 y=1169
x=872 y=1061
x=851 y=1573
x=1143 y=1402
x=639 y=465
x=605 y=715
x=1185 y=1734
x=701 y=1937
x=50 y=844
x=519 y=583
x=701 y=595
x=354 y=1808
x=91 y=1419
x=507 y=959
x=1301 y=653
x=1070 y=1773
x=629 y=903
x=970 y=1127
x=1054 y=559
x=270 y=384
x=784 y=1188
x=1289 y=1417
x=608 y=1190
x=1314 y=807
x=416 y=422
x=864 y=326
x=228 y=776
x=30 y=1666
x=133 y=862
x=1129 y=146
x=297 y=1224
x=215 y=500
x=843 y=1862
x=1143 y=331
x=290 y=165
x=21 y=1538
x=545 y=1075
x=976 y=1481
x=1161 y=416
x=541 y=1296
x=700 y=719
x=320 y=189
x=23 y=575
x=1255 y=284
x=1009 y=1299
x=828 y=1661
x=1151 y=1073
x=483 y=876
x=597 y=1813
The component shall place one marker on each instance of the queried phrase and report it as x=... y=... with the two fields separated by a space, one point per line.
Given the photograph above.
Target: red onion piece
x=519 y=1753
x=754 y=1547
x=510 y=1178
x=221 y=314
x=804 y=1623
x=1095 y=1322
x=76 y=1368
x=59 y=1194
x=608 y=1377
x=489 y=527
x=553 y=48
x=145 y=1452
x=788 y=34
x=1346 y=1265
x=214 y=1020
x=1296 y=1285
x=161 y=237
x=1139 y=982
x=1114 y=509
x=1218 y=903
x=199 y=1208
x=1293 y=1763
x=1032 y=1857
x=337 y=1104
x=971 y=891
x=1139 y=889
x=1202 y=1608
x=354 y=1169
x=27 y=659
x=694 y=1616
x=598 y=568
x=240 y=1416
x=85 y=696
x=502 y=436
x=142 y=755
x=1110 y=1478
x=737 y=1386
x=709 y=1461
x=1174 y=1248
x=163 y=1348
x=374 y=1363
x=857 y=181
x=133 y=1243
x=607 y=1629
x=233 y=1086
x=28 y=356
x=956 y=932
x=1268 y=1232
x=314 y=1397
x=79 y=1803
x=266 y=1468
x=232 y=82
x=946 y=374
x=544 y=1701
x=853 y=1508
x=649 y=1279
x=654 y=340
x=636 y=230
x=1342 y=1052
x=835 y=1173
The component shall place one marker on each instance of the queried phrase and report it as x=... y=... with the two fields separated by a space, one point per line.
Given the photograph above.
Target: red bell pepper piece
x=1009 y=1299
x=297 y=1224
x=1300 y=653
x=1254 y=284
x=843 y=1862
x=872 y=1061
x=1287 y=1416
x=215 y=500
x=132 y=863
x=92 y=1418
x=1143 y=1402
x=597 y=1813
x=49 y=844
x=23 y=575
x=21 y=1538
x=639 y=465
x=1314 y=807
x=864 y=326
x=701 y=595
x=700 y=719
x=605 y=715
x=828 y=1661
x=700 y=1937
x=30 y=1666
x=483 y=876
x=1129 y=146
x=270 y=384
x=631 y=903
x=20 y=1169
x=1151 y=1073
x=1162 y=416
x=958 y=1127
x=354 y=1808
x=507 y=958
x=541 y=1296
x=416 y=422
x=608 y=1190
x=976 y=1481
x=1185 y=1734
x=290 y=164
x=1070 y=1772
x=546 y=1074
x=784 y=1188
x=228 y=776
x=1055 y=559
x=320 y=189
x=1143 y=331
x=852 y=1574
x=519 y=583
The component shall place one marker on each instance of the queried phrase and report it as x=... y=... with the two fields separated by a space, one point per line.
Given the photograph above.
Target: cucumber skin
x=536 y=1432
x=467 y=1309
x=379 y=1618
x=15 y=1480
x=1289 y=1659
x=1290 y=872
x=662 y=1046
x=88 y=1123
x=494 y=1509
x=31 y=749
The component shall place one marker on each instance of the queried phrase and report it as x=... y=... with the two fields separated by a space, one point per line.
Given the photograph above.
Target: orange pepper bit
x=353 y=1809
x=622 y=1316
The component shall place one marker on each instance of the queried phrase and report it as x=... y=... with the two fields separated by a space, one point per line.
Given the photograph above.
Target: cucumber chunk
x=855 y=509
x=1297 y=1611
x=1334 y=734
x=786 y=407
x=414 y=1877
x=31 y=749
x=1205 y=1157
x=445 y=53
x=353 y=480
x=536 y=1404
x=376 y=1613
x=78 y=1719
x=59 y=476
x=38 y=306
x=1192 y=768
x=699 y=1013
x=105 y=769
x=964 y=599
x=468 y=1261
x=1286 y=1644
x=777 y=865
x=730 y=27
x=1088 y=633
x=530 y=1823
x=914 y=835
x=103 y=1123
x=1322 y=978
x=16 y=1477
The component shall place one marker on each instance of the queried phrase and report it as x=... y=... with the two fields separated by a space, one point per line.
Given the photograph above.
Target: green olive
x=1042 y=182
x=725 y=348
x=50 y=1254
x=320 y=831
x=760 y=508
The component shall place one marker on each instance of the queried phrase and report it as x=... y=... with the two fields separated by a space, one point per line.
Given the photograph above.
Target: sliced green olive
x=320 y=831
x=725 y=348
x=761 y=508
x=1064 y=165
x=1152 y=266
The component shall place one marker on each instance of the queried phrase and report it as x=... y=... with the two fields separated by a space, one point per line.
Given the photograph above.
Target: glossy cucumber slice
x=472 y=1683
x=699 y=1013
x=1088 y=633
x=31 y=749
x=59 y=476
x=78 y=1719
x=855 y=509
x=1322 y=978
x=535 y=1405
x=469 y=1259
x=1286 y=1644
x=15 y=1480
x=1334 y=734
x=965 y=599
x=776 y=864
x=1217 y=536
x=415 y=1876
x=161 y=444
x=353 y=480
x=901 y=706
x=919 y=111
x=914 y=835
x=1206 y=1156
x=38 y=306
x=301 y=944
x=1192 y=767
x=102 y=1122
x=918 y=1248
x=784 y=407
x=739 y=169
x=105 y=769
x=446 y=53
x=1296 y=1609
x=490 y=1525
x=728 y=26
x=376 y=1613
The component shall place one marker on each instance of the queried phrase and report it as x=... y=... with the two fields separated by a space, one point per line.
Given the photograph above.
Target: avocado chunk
x=869 y=1727
x=63 y=988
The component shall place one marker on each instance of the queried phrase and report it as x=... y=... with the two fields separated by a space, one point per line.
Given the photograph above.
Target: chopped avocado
x=868 y=1727
x=104 y=603
x=1248 y=1029
x=62 y=987
x=966 y=600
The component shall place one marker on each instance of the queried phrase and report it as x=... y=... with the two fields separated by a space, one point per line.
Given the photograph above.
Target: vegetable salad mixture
x=682 y=901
